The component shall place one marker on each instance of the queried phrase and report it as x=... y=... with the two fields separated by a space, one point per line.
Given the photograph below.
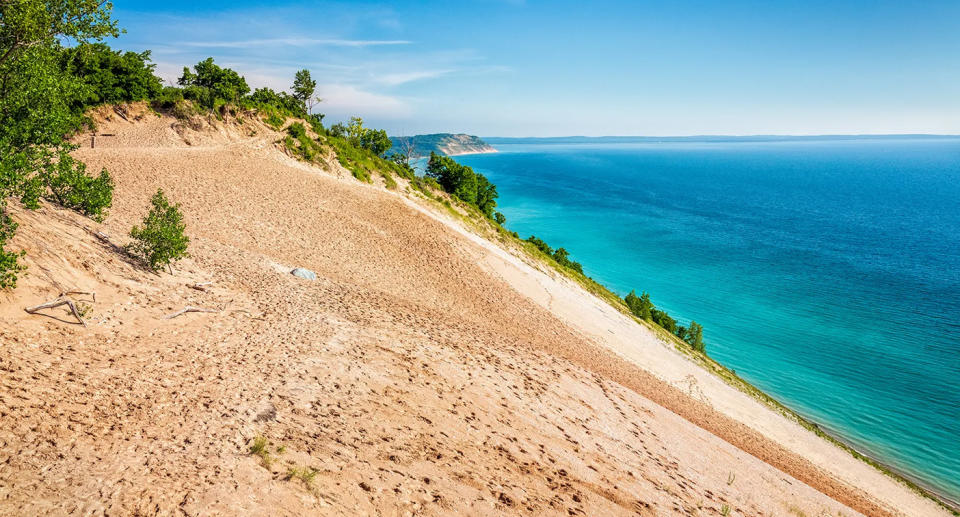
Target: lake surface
x=825 y=272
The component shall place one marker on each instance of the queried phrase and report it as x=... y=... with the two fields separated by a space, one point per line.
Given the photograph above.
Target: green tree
x=694 y=337
x=462 y=182
x=465 y=184
x=160 y=241
x=664 y=320
x=36 y=95
x=108 y=76
x=562 y=256
x=213 y=86
x=632 y=301
x=540 y=244
x=282 y=101
x=376 y=141
x=486 y=195
x=303 y=89
x=355 y=131
x=499 y=218
x=640 y=306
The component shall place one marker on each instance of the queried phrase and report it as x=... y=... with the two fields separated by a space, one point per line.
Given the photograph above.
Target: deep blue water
x=827 y=273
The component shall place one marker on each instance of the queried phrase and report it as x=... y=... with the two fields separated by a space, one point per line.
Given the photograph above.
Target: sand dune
x=426 y=372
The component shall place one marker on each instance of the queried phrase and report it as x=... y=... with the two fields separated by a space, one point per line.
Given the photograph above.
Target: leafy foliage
x=160 y=241
x=212 y=86
x=298 y=142
x=284 y=102
x=541 y=245
x=640 y=305
x=694 y=337
x=374 y=140
x=461 y=181
x=560 y=255
x=363 y=163
x=303 y=88
x=108 y=76
x=36 y=96
x=643 y=308
x=72 y=187
x=9 y=260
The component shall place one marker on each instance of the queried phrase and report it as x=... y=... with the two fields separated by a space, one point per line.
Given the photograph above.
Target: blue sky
x=529 y=68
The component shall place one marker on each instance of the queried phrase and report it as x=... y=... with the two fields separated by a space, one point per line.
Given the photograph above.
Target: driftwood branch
x=201 y=286
x=189 y=308
x=62 y=300
x=91 y=293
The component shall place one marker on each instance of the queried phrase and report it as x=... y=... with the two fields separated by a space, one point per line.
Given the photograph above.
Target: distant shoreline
x=702 y=138
x=462 y=153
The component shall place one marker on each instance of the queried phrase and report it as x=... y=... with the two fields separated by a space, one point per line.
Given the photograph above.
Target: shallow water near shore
x=826 y=272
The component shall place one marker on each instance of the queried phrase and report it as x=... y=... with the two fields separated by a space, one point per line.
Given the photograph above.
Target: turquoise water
x=825 y=272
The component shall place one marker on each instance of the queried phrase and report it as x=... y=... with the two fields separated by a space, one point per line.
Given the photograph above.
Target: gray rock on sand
x=304 y=273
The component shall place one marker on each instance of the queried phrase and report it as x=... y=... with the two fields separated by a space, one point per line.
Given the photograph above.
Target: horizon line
x=756 y=135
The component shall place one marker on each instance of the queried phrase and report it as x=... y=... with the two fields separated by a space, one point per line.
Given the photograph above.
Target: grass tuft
x=259 y=447
x=305 y=474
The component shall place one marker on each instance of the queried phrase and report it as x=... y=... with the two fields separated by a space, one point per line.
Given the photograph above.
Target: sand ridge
x=417 y=376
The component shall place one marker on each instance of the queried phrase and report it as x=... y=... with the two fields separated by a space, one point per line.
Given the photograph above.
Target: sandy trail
x=426 y=372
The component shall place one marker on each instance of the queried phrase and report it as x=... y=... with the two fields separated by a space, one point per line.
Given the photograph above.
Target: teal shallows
x=825 y=272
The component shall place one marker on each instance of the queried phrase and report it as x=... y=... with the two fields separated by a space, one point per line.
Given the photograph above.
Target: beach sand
x=427 y=371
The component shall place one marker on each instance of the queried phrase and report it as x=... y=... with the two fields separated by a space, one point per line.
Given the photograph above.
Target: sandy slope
x=426 y=372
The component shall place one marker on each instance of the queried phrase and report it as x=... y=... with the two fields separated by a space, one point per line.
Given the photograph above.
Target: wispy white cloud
x=294 y=42
x=344 y=100
x=396 y=79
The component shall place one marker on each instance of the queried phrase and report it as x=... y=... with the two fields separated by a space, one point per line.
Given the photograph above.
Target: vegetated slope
x=406 y=379
x=448 y=144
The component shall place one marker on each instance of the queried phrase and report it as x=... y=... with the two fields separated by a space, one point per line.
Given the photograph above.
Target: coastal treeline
x=463 y=182
x=560 y=255
x=639 y=306
x=643 y=308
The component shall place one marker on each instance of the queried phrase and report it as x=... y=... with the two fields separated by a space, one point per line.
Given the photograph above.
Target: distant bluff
x=442 y=143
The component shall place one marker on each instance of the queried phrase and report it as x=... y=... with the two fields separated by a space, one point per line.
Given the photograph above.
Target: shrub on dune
x=160 y=241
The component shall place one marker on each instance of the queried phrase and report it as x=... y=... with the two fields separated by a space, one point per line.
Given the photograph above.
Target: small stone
x=306 y=274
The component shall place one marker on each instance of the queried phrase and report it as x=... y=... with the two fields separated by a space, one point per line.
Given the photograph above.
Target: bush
x=168 y=97
x=71 y=187
x=160 y=241
x=562 y=256
x=9 y=264
x=540 y=244
x=300 y=143
x=275 y=120
x=297 y=130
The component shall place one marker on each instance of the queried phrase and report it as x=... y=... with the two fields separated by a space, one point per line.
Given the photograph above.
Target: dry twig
x=91 y=293
x=189 y=308
x=202 y=286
